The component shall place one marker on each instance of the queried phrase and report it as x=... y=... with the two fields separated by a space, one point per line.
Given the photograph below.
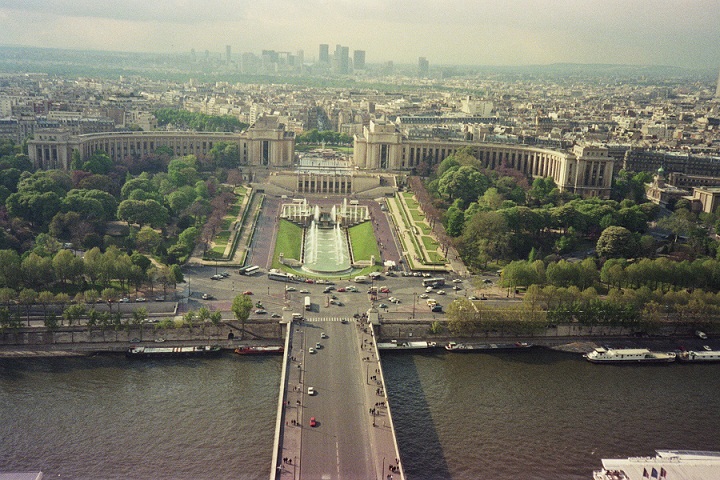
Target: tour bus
x=283 y=277
x=427 y=282
x=308 y=305
x=361 y=279
x=251 y=270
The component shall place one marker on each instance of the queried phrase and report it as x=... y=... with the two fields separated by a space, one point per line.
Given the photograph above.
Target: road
x=339 y=446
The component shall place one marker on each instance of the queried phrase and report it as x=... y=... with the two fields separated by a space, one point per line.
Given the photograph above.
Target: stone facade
x=587 y=170
x=266 y=143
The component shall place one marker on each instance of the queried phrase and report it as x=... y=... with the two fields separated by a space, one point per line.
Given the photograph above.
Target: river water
x=535 y=414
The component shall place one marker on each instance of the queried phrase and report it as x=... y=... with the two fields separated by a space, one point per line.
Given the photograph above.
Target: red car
x=248 y=292
x=312 y=422
x=309 y=280
x=384 y=290
x=341 y=289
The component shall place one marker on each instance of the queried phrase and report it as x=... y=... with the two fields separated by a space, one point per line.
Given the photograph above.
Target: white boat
x=700 y=356
x=629 y=355
x=395 y=345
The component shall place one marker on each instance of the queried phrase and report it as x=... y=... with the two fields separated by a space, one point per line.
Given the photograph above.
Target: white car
x=424 y=295
x=318 y=346
x=311 y=350
x=302 y=291
x=441 y=292
x=311 y=391
x=323 y=335
x=700 y=334
x=457 y=280
x=290 y=289
x=140 y=299
x=429 y=289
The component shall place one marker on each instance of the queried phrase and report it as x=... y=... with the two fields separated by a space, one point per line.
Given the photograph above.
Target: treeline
x=328 y=137
x=200 y=122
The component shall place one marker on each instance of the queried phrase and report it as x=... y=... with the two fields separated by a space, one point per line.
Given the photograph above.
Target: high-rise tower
x=324 y=56
x=717 y=90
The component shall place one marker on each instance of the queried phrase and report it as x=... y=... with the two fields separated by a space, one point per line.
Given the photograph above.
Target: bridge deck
x=353 y=436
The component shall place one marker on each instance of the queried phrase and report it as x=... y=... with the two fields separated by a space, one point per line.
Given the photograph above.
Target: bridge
x=333 y=418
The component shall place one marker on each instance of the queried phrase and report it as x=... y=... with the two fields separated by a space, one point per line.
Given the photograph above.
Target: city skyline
x=662 y=32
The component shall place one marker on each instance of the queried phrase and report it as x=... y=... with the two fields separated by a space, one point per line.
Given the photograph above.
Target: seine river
x=535 y=414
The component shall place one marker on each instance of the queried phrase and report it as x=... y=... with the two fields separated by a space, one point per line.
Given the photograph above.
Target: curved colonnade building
x=266 y=143
x=587 y=170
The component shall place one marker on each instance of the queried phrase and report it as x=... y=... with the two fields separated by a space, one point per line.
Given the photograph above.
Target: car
x=207 y=296
x=275 y=315
x=424 y=295
x=701 y=335
x=341 y=289
x=309 y=280
x=247 y=292
x=383 y=305
x=437 y=308
x=351 y=289
x=441 y=292
x=124 y=300
x=318 y=346
x=160 y=298
x=395 y=300
x=333 y=296
x=297 y=316
x=473 y=297
x=290 y=289
x=332 y=301
x=311 y=350
x=391 y=274
x=313 y=422
x=304 y=291
x=224 y=274
x=384 y=290
x=217 y=276
x=343 y=321
x=261 y=311
x=327 y=290
x=259 y=304
x=311 y=391
x=427 y=275
x=429 y=289
x=323 y=335
x=488 y=281
x=707 y=347
x=140 y=299
x=339 y=303
x=455 y=287
x=457 y=280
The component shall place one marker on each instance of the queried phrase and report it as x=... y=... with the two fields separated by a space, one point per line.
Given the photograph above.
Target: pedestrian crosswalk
x=327 y=319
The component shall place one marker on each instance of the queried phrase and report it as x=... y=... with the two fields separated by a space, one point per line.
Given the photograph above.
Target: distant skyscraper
x=359 y=59
x=717 y=91
x=228 y=54
x=423 y=67
x=324 y=53
x=341 y=59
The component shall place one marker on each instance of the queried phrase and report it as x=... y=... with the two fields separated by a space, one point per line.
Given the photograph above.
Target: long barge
x=260 y=350
x=193 y=351
x=629 y=355
x=485 y=347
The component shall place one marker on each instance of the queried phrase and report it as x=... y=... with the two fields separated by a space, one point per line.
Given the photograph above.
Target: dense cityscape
x=561 y=205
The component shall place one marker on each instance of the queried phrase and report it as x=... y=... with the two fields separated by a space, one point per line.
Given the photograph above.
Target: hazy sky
x=477 y=32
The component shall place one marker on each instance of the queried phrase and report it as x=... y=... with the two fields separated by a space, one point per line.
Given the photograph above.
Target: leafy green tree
x=10 y=271
x=463 y=318
x=464 y=183
x=67 y=267
x=241 y=307
x=616 y=242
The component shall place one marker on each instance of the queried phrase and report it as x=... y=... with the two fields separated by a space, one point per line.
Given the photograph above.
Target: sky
x=684 y=33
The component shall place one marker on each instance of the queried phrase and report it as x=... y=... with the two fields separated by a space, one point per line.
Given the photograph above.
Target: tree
x=241 y=307
x=67 y=266
x=616 y=242
x=10 y=273
x=463 y=318
x=27 y=297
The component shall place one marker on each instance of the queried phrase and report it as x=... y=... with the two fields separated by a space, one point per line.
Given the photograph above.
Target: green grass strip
x=363 y=242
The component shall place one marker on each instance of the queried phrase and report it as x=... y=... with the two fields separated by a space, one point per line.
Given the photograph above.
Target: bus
x=433 y=282
x=251 y=270
x=283 y=277
x=308 y=305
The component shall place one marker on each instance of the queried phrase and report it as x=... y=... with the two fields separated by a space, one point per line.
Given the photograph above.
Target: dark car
x=437 y=308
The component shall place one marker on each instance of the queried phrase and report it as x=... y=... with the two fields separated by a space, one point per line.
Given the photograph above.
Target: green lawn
x=234 y=210
x=410 y=201
x=429 y=243
x=364 y=245
x=417 y=216
x=289 y=241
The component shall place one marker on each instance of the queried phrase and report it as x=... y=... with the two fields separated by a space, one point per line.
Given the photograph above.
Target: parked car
x=323 y=335
x=140 y=299
x=261 y=311
x=207 y=296
x=247 y=292
x=311 y=391
x=275 y=315
x=701 y=335
x=313 y=422
x=311 y=350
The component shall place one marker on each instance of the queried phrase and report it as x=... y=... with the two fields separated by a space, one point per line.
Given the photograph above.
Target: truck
x=361 y=279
